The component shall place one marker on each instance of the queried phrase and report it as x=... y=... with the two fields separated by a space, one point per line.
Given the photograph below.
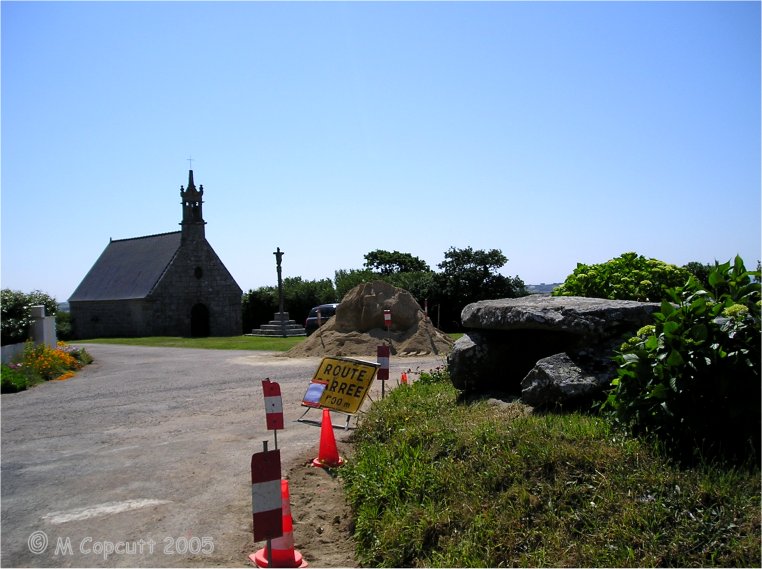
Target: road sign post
x=382 y=355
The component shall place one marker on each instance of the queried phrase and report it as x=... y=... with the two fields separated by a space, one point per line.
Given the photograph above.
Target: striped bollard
x=273 y=407
x=280 y=551
x=266 y=503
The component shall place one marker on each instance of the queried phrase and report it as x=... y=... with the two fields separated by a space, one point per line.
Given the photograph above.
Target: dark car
x=312 y=322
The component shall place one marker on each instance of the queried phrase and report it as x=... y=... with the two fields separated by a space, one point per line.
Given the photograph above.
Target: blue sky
x=557 y=132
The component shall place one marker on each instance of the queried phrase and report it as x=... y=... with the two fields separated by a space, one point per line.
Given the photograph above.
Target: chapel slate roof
x=128 y=268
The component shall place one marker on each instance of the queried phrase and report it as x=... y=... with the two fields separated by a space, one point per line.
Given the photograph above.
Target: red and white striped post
x=266 y=502
x=273 y=407
x=280 y=551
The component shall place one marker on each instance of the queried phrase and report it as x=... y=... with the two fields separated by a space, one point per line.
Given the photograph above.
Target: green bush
x=692 y=378
x=627 y=277
x=13 y=379
x=437 y=375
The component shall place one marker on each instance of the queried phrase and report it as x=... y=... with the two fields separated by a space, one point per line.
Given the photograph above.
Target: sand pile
x=358 y=328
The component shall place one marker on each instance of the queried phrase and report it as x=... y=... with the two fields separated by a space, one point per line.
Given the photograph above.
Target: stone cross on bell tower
x=193 y=220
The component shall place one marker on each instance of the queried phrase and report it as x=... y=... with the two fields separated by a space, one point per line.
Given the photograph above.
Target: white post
x=43 y=328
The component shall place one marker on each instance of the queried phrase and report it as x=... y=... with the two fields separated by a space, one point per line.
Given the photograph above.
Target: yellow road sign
x=346 y=382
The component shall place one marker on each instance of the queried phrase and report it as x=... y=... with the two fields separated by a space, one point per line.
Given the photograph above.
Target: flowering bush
x=79 y=354
x=628 y=277
x=48 y=363
x=15 y=312
x=42 y=363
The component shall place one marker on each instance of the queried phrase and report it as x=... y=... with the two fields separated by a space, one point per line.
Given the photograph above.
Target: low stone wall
x=11 y=351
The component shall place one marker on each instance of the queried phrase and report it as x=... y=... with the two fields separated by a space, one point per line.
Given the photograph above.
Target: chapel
x=168 y=284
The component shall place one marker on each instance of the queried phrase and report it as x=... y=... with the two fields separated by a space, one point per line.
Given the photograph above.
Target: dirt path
x=322 y=518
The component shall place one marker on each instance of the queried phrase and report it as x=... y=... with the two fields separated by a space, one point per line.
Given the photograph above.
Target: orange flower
x=65 y=376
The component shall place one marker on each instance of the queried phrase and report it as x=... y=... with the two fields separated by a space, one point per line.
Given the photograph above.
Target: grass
x=439 y=483
x=264 y=343
x=274 y=344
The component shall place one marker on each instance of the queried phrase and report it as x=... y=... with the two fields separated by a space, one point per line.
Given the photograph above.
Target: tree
x=700 y=270
x=467 y=275
x=386 y=263
x=470 y=275
x=347 y=279
x=260 y=305
x=300 y=295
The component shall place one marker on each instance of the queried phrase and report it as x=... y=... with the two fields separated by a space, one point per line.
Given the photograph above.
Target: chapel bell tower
x=193 y=220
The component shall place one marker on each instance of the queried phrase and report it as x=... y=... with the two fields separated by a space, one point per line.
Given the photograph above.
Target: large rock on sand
x=358 y=328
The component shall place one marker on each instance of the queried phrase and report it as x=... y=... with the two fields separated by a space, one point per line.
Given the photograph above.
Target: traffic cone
x=283 y=552
x=328 y=455
x=403 y=379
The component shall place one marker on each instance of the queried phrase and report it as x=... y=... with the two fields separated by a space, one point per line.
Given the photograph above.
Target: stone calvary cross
x=278 y=260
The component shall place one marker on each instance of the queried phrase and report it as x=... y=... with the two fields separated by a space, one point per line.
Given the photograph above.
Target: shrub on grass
x=437 y=375
x=692 y=378
x=47 y=362
x=12 y=380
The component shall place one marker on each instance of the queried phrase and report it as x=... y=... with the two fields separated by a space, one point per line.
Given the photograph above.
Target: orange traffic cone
x=283 y=552
x=328 y=455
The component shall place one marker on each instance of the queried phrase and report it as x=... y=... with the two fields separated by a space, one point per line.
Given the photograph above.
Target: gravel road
x=143 y=459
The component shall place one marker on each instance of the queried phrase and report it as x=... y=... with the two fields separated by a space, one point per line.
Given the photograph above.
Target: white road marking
x=100 y=510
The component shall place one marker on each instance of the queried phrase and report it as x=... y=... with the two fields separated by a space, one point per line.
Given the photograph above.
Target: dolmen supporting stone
x=551 y=350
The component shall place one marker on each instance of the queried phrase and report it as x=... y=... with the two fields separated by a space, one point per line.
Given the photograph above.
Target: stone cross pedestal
x=280 y=325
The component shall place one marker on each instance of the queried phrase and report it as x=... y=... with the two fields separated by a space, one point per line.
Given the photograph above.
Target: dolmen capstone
x=551 y=350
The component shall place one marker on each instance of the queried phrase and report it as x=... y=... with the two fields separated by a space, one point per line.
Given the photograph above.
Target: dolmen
x=552 y=351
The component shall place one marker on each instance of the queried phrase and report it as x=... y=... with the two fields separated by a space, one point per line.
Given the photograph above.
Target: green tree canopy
x=470 y=275
x=386 y=262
